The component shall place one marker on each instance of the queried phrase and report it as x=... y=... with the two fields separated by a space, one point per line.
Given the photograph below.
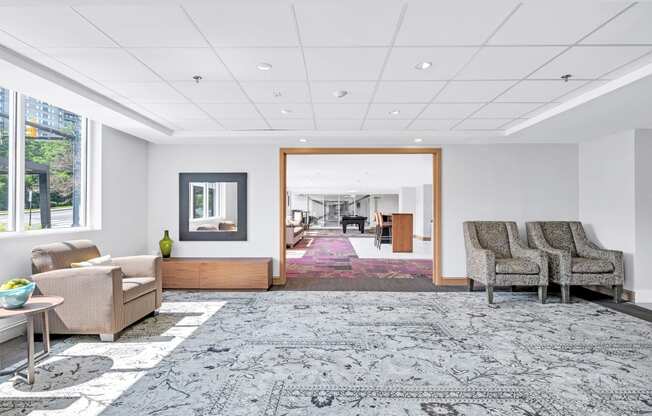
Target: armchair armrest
x=133 y=266
x=481 y=264
x=520 y=249
x=143 y=266
x=558 y=260
x=93 y=298
x=586 y=248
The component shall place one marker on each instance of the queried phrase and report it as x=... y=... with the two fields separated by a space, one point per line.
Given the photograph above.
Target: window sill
x=48 y=232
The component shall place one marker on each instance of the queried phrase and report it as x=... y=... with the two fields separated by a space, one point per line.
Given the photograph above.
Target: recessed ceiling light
x=264 y=66
x=418 y=140
x=394 y=112
x=303 y=140
x=340 y=93
x=197 y=78
x=286 y=111
x=566 y=77
x=423 y=65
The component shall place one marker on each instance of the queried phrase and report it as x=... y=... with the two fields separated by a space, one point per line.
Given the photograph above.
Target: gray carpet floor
x=352 y=353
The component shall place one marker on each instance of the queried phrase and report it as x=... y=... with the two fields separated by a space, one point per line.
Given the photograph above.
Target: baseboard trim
x=628 y=295
x=454 y=281
x=277 y=281
x=422 y=238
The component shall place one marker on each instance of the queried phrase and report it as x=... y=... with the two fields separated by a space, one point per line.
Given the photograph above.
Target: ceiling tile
x=349 y=23
x=277 y=91
x=292 y=124
x=348 y=125
x=147 y=92
x=506 y=110
x=253 y=124
x=211 y=91
x=145 y=25
x=39 y=33
x=449 y=111
x=245 y=24
x=231 y=111
x=590 y=61
x=472 y=91
x=513 y=123
x=630 y=67
x=357 y=91
x=181 y=64
x=327 y=64
x=633 y=26
x=508 y=62
x=533 y=22
x=407 y=91
x=287 y=64
x=582 y=90
x=385 y=124
x=340 y=111
x=452 y=23
x=104 y=64
x=441 y=124
x=482 y=124
x=176 y=111
x=446 y=62
x=383 y=111
x=286 y=111
x=198 y=125
x=538 y=90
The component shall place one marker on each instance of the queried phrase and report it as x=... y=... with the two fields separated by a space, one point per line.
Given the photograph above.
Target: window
x=49 y=185
x=197 y=200
x=54 y=161
x=206 y=199
x=4 y=159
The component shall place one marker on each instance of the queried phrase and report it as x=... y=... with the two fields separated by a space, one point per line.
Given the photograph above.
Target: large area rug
x=351 y=353
x=330 y=257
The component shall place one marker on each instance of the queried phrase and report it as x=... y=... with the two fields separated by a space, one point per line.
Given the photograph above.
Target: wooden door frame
x=436 y=196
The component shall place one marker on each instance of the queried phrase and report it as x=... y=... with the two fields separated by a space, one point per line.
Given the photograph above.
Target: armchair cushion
x=493 y=236
x=558 y=234
x=584 y=265
x=516 y=266
x=134 y=287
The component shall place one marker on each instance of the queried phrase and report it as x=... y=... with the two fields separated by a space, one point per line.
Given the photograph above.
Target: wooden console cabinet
x=402 y=233
x=217 y=273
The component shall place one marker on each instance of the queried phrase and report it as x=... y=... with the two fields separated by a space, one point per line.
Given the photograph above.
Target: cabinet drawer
x=234 y=275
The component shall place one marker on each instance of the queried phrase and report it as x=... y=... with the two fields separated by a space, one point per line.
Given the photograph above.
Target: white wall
x=607 y=194
x=124 y=210
x=517 y=182
x=260 y=163
x=643 y=189
x=513 y=182
x=423 y=216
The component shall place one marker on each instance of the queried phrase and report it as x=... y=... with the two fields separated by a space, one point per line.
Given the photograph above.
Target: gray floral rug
x=351 y=353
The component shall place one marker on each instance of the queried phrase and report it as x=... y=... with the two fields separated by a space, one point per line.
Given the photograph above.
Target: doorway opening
x=329 y=215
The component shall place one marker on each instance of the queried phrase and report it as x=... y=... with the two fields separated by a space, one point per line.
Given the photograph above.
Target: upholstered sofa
x=496 y=256
x=293 y=234
x=100 y=299
x=574 y=259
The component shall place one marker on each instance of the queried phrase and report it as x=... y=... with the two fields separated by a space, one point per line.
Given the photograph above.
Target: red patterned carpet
x=330 y=257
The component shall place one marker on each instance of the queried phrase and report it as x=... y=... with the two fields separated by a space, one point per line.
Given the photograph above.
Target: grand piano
x=354 y=220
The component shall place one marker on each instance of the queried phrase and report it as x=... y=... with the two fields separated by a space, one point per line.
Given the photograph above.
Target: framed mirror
x=213 y=206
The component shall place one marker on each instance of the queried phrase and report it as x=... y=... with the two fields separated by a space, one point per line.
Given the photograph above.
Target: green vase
x=166 y=245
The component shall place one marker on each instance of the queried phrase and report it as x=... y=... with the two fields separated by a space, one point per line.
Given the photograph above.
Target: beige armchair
x=98 y=300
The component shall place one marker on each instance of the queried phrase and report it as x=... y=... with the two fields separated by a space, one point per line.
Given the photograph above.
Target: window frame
x=16 y=220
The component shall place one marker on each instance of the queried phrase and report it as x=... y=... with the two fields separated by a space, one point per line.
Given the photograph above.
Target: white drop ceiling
x=494 y=64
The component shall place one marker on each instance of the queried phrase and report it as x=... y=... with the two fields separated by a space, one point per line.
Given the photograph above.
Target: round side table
x=37 y=305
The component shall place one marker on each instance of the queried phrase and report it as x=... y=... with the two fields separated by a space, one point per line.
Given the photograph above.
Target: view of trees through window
x=53 y=166
x=4 y=159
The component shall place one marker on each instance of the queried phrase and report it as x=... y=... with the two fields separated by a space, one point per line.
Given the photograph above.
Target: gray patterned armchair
x=496 y=256
x=574 y=260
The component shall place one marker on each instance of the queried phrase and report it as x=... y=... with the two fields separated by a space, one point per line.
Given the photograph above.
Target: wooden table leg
x=30 y=349
x=46 y=333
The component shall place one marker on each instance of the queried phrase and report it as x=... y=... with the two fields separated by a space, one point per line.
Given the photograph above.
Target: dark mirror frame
x=184 y=209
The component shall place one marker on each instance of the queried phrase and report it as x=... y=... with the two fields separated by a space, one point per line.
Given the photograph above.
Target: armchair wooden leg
x=618 y=293
x=490 y=295
x=543 y=292
x=469 y=285
x=565 y=294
